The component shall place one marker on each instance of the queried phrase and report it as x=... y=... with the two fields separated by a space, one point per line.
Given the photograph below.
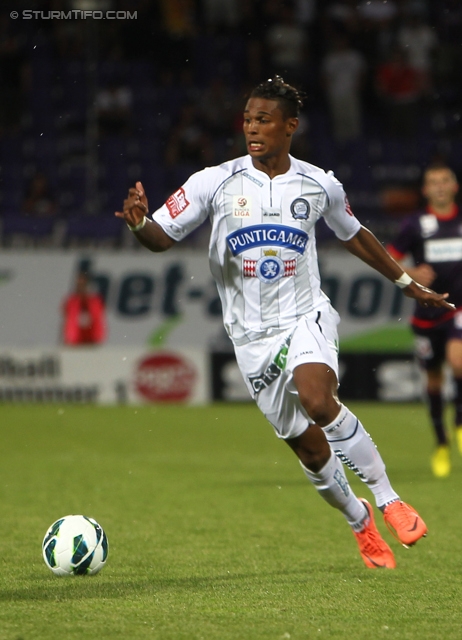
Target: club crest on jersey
x=269 y=268
x=241 y=207
x=267 y=235
x=300 y=209
x=177 y=203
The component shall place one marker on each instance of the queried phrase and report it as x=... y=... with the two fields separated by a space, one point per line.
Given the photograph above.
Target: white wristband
x=404 y=280
x=139 y=226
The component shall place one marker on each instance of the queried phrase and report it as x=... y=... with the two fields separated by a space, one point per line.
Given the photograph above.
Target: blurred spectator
x=113 y=105
x=342 y=17
x=217 y=107
x=14 y=76
x=141 y=39
x=419 y=40
x=179 y=16
x=343 y=70
x=84 y=315
x=69 y=38
x=449 y=24
x=305 y=11
x=377 y=22
x=189 y=147
x=39 y=200
x=186 y=88
x=189 y=142
x=377 y=12
x=399 y=87
x=300 y=147
x=221 y=13
x=179 y=29
x=254 y=34
x=287 y=42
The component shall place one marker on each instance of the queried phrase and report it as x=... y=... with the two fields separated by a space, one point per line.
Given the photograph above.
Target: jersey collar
x=291 y=171
x=453 y=214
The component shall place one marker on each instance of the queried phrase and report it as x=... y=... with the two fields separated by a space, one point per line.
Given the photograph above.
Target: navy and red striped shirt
x=436 y=241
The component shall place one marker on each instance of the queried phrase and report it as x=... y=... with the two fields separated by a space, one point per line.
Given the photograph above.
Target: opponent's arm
x=148 y=232
x=364 y=245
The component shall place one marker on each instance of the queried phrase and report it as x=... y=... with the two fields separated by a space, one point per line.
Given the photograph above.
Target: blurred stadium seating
x=380 y=172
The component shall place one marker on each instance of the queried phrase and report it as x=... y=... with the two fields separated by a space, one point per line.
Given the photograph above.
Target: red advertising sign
x=165 y=377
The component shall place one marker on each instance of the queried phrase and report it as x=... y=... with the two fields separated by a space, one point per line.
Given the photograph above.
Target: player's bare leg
x=434 y=388
x=441 y=459
x=355 y=448
x=454 y=359
x=319 y=463
x=317 y=389
x=346 y=436
x=324 y=470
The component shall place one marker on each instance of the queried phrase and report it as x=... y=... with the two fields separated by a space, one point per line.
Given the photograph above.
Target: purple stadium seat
x=21 y=227
x=93 y=230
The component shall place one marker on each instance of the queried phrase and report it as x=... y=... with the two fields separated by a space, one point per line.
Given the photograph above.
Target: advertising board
x=104 y=375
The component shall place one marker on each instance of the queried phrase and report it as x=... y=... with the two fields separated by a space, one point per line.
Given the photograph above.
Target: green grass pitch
x=214 y=532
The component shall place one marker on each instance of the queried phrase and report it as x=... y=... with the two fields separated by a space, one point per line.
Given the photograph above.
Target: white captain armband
x=139 y=226
x=404 y=280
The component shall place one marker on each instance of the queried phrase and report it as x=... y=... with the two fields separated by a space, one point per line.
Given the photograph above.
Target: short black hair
x=439 y=165
x=290 y=99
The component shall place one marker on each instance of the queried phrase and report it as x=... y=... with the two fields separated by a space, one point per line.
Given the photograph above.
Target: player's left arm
x=364 y=245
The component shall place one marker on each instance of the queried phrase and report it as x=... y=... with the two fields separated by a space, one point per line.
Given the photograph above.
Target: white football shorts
x=267 y=365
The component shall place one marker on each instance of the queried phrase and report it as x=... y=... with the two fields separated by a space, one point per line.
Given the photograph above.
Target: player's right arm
x=148 y=232
x=362 y=243
x=422 y=273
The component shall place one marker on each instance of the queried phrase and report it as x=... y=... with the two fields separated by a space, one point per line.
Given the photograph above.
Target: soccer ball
x=75 y=545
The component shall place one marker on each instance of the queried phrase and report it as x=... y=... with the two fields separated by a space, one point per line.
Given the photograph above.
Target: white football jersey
x=262 y=247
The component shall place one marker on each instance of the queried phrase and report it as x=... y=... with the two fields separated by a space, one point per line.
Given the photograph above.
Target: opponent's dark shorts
x=430 y=344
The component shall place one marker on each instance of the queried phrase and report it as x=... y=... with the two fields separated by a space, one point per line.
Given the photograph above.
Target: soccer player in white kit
x=263 y=208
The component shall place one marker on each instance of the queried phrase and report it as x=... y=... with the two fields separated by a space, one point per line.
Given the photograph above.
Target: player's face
x=440 y=187
x=267 y=133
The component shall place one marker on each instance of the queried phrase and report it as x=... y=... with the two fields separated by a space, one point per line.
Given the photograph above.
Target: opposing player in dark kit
x=263 y=208
x=433 y=239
